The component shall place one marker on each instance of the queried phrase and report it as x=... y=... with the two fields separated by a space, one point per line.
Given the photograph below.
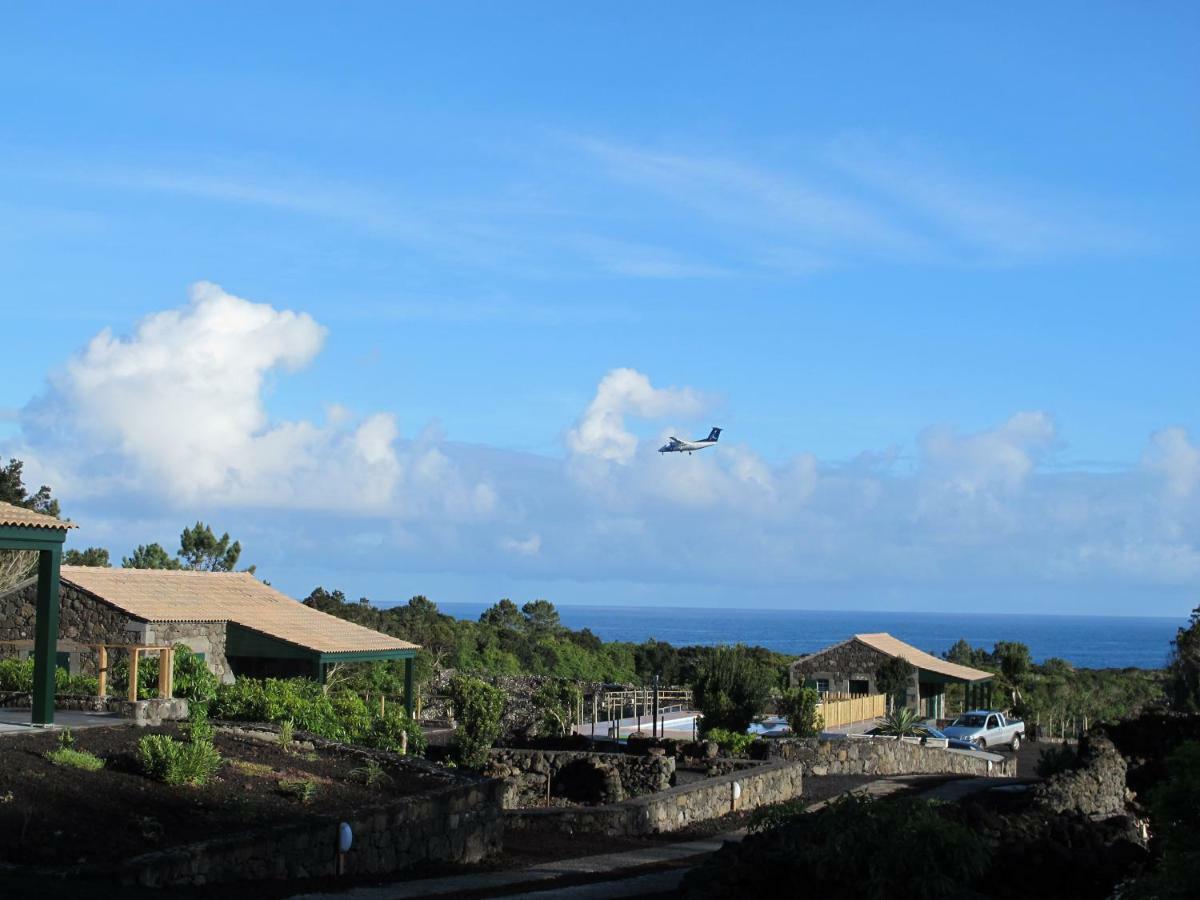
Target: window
x=859 y=686
x=822 y=685
x=63 y=661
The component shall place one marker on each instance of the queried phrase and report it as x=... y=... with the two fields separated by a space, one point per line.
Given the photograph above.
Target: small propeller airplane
x=675 y=445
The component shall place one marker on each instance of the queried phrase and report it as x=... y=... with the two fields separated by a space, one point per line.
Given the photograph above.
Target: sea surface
x=1084 y=641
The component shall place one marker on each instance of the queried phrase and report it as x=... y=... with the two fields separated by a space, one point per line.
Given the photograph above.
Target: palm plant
x=900 y=722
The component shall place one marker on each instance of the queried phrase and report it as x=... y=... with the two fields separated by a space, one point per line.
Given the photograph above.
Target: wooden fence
x=855 y=709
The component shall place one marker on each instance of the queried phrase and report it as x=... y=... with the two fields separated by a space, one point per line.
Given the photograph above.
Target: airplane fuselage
x=686 y=446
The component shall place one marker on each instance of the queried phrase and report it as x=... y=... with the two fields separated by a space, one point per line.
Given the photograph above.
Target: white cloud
x=601 y=432
x=171 y=423
x=1173 y=456
x=177 y=408
x=999 y=458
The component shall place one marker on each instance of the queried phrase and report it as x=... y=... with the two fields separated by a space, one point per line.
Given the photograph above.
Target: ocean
x=1084 y=641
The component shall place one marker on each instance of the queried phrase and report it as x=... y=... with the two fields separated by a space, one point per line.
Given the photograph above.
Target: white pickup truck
x=985 y=728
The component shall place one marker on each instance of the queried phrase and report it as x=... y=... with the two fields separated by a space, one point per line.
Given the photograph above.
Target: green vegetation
x=92 y=556
x=557 y=704
x=75 y=759
x=182 y=762
x=67 y=755
x=371 y=774
x=177 y=762
x=1055 y=689
x=478 y=707
x=287 y=734
x=338 y=716
x=892 y=678
x=900 y=722
x=799 y=706
x=17 y=675
x=303 y=789
x=732 y=743
x=1175 y=819
x=1183 y=670
x=825 y=850
x=731 y=687
x=193 y=680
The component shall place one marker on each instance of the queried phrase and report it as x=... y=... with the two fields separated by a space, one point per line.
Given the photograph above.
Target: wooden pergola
x=24 y=529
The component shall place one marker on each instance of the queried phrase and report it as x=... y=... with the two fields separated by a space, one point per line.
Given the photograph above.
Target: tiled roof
x=27 y=518
x=163 y=595
x=885 y=643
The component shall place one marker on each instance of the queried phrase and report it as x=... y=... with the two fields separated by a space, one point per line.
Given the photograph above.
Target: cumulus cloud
x=1173 y=456
x=177 y=407
x=174 y=417
x=601 y=432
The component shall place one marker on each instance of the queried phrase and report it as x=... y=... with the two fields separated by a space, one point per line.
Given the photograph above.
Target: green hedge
x=17 y=675
x=342 y=717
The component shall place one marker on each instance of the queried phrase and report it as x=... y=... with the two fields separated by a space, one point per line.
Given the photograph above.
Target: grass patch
x=303 y=790
x=75 y=759
x=372 y=774
x=251 y=768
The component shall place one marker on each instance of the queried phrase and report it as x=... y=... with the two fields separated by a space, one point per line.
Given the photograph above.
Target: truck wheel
x=980 y=744
x=1016 y=743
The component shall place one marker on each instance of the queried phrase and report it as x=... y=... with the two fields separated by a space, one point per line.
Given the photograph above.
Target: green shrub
x=303 y=790
x=341 y=716
x=732 y=743
x=825 y=850
x=287 y=734
x=556 y=703
x=193 y=680
x=16 y=674
x=387 y=733
x=177 y=762
x=198 y=728
x=731 y=687
x=478 y=707
x=799 y=707
x=371 y=774
x=75 y=759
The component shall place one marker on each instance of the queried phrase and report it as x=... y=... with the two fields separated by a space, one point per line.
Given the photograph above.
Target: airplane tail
x=714 y=435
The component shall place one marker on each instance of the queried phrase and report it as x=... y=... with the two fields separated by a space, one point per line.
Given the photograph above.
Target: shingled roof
x=885 y=643
x=164 y=595
x=27 y=518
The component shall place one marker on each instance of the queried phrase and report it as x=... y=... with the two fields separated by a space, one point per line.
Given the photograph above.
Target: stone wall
x=1096 y=788
x=577 y=775
x=143 y=712
x=883 y=756
x=460 y=823
x=672 y=809
x=83 y=620
x=200 y=637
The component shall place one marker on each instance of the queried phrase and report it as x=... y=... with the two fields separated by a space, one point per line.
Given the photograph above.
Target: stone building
x=238 y=624
x=849 y=669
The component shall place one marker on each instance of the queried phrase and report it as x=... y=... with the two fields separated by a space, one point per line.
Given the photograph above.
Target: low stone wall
x=143 y=712
x=457 y=820
x=578 y=775
x=77 y=702
x=881 y=756
x=672 y=809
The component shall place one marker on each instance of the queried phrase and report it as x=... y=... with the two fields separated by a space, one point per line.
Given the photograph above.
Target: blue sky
x=934 y=273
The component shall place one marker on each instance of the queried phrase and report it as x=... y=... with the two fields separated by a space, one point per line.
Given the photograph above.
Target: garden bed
x=55 y=816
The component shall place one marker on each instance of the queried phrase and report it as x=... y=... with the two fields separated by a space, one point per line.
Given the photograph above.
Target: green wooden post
x=45 y=636
x=408 y=686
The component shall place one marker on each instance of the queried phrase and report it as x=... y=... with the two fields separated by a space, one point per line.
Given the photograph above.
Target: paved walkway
x=17 y=721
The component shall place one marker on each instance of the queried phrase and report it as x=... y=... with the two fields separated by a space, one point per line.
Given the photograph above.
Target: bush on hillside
x=478 y=707
x=557 y=703
x=341 y=716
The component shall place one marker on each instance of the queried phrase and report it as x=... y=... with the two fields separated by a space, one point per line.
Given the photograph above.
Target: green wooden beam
x=16 y=537
x=45 y=636
x=408 y=686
